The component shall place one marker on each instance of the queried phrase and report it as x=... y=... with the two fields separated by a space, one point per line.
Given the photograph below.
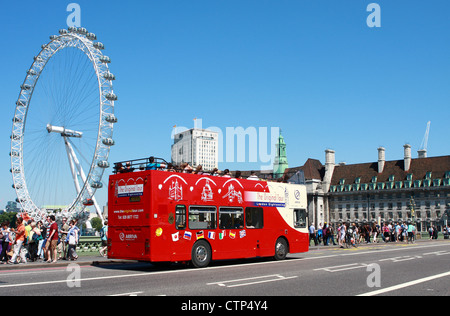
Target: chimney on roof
x=407 y=156
x=329 y=157
x=422 y=153
x=329 y=168
x=381 y=159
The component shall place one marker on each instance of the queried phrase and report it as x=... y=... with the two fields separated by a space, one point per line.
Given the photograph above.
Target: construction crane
x=423 y=146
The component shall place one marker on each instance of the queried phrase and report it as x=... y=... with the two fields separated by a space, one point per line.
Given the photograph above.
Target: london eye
x=63 y=126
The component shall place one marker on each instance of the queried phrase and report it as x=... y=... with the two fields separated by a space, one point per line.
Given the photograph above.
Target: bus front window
x=300 y=218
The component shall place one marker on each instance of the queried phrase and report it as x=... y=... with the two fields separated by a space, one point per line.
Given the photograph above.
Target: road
x=381 y=269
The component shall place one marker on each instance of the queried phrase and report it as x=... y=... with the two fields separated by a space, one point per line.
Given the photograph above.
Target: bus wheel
x=201 y=254
x=281 y=249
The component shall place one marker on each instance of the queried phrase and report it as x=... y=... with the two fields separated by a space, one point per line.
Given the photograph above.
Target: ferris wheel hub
x=63 y=131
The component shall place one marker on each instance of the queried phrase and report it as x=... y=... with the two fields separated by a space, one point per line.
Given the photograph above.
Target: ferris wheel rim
x=85 y=42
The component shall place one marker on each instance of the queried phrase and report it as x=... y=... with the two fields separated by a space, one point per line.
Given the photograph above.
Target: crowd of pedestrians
x=43 y=240
x=368 y=233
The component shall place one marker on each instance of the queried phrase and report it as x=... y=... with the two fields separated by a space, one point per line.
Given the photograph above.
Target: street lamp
x=412 y=206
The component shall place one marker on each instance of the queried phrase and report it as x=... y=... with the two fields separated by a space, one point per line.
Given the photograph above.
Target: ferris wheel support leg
x=72 y=167
x=72 y=154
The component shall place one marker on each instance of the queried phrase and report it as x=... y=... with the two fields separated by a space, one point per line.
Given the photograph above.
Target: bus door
x=254 y=224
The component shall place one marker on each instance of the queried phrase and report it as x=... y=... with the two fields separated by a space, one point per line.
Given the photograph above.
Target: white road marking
x=407 y=284
x=343 y=267
x=270 y=278
x=127 y=294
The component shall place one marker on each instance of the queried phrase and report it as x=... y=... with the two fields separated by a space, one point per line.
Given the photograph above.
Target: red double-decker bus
x=161 y=216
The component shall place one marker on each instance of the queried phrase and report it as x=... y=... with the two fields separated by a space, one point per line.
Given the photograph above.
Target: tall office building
x=196 y=147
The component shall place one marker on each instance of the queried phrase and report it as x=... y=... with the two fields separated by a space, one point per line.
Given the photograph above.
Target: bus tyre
x=281 y=249
x=201 y=254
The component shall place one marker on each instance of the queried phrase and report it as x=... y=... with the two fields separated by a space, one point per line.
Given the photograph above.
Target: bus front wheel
x=201 y=254
x=281 y=249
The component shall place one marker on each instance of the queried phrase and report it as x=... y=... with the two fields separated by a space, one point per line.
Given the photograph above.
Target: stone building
x=409 y=189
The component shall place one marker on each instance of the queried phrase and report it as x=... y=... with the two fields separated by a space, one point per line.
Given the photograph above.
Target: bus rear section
x=128 y=217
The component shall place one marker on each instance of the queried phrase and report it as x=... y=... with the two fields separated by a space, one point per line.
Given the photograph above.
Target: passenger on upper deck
x=253 y=176
x=198 y=170
x=128 y=168
x=226 y=173
x=186 y=168
x=119 y=167
x=152 y=165
x=171 y=168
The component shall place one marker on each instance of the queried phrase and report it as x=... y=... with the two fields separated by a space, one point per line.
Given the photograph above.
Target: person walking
x=411 y=230
x=104 y=238
x=325 y=234
x=18 y=243
x=52 y=241
x=72 y=241
x=63 y=246
x=331 y=235
x=5 y=240
x=312 y=234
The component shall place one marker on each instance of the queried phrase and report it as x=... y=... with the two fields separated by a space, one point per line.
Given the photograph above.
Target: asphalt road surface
x=421 y=269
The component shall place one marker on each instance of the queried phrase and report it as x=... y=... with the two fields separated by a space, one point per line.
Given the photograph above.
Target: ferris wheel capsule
x=82 y=31
x=99 y=45
x=91 y=36
x=109 y=76
x=105 y=59
x=97 y=185
x=111 y=118
x=111 y=97
x=103 y=164
x=108 y=142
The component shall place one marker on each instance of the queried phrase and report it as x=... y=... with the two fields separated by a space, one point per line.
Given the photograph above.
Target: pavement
x=83 y=260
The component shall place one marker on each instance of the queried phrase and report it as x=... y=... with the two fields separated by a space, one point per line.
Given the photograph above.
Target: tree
x=96 y=223
x=9 y=217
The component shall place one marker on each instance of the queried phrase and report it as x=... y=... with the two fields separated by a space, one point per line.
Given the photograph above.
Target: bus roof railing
x=131 y=165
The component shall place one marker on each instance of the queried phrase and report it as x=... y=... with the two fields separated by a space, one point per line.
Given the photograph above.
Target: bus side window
x=231 y=218
x=202 y=217
x=180 y=217
x=254 y=217
x=300 y=217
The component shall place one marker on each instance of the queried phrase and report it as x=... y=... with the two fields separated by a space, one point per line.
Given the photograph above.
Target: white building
x=196 y=147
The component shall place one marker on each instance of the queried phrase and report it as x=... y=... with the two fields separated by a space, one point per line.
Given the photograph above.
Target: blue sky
x=313 y=68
